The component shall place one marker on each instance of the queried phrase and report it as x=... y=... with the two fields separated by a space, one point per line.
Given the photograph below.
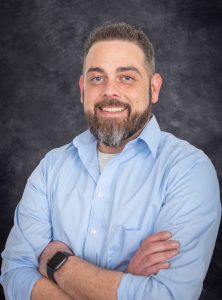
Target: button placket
x=96 y=220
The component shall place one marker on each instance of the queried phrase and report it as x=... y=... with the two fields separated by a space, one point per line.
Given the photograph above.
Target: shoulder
x=177 y=151
x=186 y=165
x=182 y=160
x=62 y=153
x=55 y=159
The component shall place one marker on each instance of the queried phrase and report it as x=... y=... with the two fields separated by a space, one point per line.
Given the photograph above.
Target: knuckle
x=149 y=247
x=149 y=259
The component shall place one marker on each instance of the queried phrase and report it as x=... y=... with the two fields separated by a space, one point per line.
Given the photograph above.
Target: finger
x=154 y=247
x=159 y=236
x=160 y=257
x=153 y=270
x=150 y=249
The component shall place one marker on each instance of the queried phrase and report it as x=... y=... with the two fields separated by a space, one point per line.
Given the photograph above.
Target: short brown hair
x=125 y=32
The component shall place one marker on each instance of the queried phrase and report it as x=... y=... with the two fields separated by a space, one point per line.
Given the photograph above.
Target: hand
x=48 y=253
x=151 y=257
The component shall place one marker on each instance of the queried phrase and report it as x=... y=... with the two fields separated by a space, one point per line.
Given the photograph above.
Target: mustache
x=112 y=102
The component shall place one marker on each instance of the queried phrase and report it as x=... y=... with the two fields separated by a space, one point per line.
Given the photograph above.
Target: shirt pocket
x=123 y=244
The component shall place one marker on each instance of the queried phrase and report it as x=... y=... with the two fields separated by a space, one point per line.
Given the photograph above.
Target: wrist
x=67 y=270
x=56 y=262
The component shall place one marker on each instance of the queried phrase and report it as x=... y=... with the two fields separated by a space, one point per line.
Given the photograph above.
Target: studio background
x=41 y=45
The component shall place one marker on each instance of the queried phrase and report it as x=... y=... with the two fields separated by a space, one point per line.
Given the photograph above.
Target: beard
x=114 y=131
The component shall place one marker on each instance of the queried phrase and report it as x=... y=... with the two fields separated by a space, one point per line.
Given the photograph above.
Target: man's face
x=115 y=91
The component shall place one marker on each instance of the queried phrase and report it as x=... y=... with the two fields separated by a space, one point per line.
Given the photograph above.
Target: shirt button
x=93 y=231
x=100 y=195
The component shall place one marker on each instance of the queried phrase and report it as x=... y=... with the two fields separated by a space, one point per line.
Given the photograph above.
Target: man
x=125 y=211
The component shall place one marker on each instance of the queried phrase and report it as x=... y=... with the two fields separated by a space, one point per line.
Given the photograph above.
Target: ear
x=156 y=82
x=81 y=88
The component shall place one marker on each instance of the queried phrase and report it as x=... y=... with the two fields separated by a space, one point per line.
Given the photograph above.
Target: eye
x=96 y=79
x=127 y=78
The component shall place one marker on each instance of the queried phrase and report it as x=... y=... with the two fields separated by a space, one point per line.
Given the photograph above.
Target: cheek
x=91 y=93
x=89 y=98
x=141 y=101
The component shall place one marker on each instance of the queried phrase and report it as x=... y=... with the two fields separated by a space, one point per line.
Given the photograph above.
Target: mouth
x=112 y=108
x=112 y=111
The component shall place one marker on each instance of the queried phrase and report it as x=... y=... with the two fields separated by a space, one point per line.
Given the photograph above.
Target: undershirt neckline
x=103 y=159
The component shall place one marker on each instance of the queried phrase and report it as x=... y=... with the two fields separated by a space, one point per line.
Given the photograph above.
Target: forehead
x=113 y=54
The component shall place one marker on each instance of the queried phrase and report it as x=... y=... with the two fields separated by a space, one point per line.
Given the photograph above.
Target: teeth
x=113 y=109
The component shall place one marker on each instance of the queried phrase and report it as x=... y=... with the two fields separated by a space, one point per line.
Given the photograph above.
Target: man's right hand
x=153 y=254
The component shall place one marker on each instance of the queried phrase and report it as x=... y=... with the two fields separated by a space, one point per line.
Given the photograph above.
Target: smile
x=112 y=109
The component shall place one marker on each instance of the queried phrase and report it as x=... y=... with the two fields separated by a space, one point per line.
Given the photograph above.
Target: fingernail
x=168 y=234
x=175 y=243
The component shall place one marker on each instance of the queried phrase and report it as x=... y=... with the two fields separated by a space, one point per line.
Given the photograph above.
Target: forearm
x=82 y=280
x=45 y=289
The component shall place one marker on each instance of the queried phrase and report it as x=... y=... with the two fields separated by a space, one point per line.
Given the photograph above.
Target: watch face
x=57 y=260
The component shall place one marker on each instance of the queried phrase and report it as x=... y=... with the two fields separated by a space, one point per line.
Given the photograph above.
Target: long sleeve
x=192 y=212
x=157 y=183
x=29 y=236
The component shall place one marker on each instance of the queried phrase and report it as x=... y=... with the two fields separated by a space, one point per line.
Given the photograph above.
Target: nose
x=111 y=90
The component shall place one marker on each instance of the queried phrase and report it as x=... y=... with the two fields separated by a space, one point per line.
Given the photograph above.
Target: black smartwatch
x=56 y=262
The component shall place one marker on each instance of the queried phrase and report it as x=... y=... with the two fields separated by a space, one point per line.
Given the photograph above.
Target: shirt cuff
x=18 y=283
x=129 y=286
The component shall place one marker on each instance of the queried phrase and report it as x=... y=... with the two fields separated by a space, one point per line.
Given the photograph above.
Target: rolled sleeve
x=142 y=287
x=22 y=278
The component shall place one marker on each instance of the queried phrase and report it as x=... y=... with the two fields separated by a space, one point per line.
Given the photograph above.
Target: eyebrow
x=118 y=70
x=129 y=68
x=96 y=69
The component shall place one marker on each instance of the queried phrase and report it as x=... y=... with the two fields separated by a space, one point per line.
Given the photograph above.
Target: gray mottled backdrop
x=41 y=57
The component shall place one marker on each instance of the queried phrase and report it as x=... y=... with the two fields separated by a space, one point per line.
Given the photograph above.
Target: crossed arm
x=78 y=279
x=191 y=211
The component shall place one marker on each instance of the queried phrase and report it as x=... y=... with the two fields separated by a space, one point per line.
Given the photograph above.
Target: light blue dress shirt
x=156 y=183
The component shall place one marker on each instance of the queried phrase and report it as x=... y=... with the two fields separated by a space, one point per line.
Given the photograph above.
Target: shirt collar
x=84 y=140
x=150 y=135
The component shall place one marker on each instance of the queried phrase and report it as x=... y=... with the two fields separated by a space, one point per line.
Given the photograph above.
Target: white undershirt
x=103 y=159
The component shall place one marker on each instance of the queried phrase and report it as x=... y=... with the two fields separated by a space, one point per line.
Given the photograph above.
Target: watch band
x=50 y=273
x=55 y=263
